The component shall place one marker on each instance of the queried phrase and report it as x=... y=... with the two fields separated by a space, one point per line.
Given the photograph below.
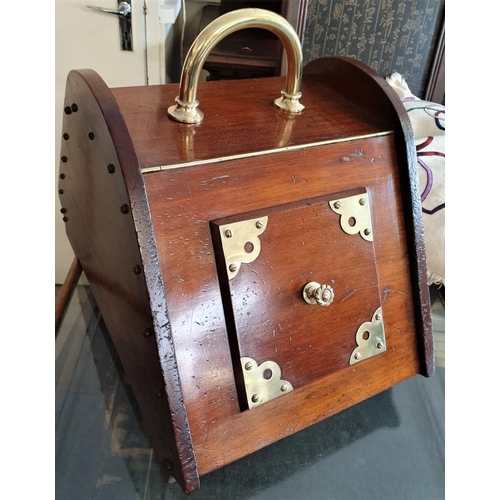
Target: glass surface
x=389 y=447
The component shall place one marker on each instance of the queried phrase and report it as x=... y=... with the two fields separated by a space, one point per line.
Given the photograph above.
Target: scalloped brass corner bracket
x=263 y=382
x=354 y=214
x=370 y=339
x=241 y=243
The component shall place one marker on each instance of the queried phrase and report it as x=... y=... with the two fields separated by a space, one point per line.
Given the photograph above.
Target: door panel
x=86 y=38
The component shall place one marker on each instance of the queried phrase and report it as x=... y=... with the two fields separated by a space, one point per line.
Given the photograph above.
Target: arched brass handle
x=314 y=293
x=186 y=108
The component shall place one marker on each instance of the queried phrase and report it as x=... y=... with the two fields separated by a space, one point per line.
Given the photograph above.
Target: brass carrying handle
x=186 y=108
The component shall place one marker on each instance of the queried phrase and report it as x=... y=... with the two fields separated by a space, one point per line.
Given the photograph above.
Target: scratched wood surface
x=239 y=118
x=369 y=90
x=343 y=99
x=100 y=213
x=151 y=264
x=101 y=452
x=183 y=201
x=302 y=242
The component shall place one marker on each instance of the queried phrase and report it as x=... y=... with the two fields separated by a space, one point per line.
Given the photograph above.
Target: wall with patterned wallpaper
x=387 y=35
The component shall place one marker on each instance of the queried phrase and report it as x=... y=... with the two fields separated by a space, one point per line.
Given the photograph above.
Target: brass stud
x=357 y=355
x=284 y=388
x=137 y=269
x=255 y=398
x=111 y=168
x=362 y=201
x=228 y=233
x=248 y=366
x=337 y=204
x=259 y=224
x=74 y=107
x=124 y=209
x=378 y=316
x=233 y=268
x=380 y=345
x=367 y=232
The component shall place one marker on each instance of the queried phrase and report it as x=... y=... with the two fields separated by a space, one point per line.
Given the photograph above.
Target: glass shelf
x=389 y=447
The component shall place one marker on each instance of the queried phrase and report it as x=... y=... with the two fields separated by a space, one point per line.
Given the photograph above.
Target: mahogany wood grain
x=145 y=244
x=184 y=200
x=369 y=90
x=106 y=222
x=302 y=242
x=239 y=118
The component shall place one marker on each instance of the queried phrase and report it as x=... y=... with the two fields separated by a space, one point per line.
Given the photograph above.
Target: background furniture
x=251 y=53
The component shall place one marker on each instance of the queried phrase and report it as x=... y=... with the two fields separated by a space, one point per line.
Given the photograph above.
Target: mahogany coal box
x=260 y=265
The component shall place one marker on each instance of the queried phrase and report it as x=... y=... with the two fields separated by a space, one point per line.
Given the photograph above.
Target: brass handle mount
x=186 y=110
x=314 y=293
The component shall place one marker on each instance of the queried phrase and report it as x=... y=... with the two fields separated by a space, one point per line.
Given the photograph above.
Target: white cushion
x=428 y=122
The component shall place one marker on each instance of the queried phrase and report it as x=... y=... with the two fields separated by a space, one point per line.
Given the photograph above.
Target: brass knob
x=314 y=293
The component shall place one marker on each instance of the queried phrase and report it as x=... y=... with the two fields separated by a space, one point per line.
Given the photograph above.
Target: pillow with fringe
x=428 y=122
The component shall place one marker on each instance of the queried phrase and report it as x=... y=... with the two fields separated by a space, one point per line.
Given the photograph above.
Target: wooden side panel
x=183 y=201
x=103 y=219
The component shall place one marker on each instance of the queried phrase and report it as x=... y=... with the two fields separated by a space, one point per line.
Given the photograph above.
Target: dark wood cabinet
x=251 y=53
x=435 y=91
